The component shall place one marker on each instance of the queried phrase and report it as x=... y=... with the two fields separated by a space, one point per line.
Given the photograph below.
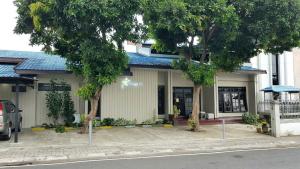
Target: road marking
x=148 y=157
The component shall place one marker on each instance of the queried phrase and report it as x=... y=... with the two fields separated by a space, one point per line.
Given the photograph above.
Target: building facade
x=149 y=88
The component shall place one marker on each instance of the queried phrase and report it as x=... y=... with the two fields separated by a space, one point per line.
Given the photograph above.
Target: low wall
x=289 y=127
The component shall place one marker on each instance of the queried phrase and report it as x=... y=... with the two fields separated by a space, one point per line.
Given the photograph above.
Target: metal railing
x=288 y=109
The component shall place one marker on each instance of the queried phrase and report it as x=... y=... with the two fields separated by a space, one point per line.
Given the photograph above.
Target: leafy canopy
x=221 y=34
x=89 y=34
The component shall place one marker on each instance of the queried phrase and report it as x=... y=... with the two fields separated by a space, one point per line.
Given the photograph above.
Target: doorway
x=161 y=100
x=183 y=99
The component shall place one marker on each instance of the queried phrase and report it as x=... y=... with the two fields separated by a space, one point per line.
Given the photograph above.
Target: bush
x=192 y=124
x=108 y=121
x=148 y=122
x=96 y=123
x=60 y=129
x=250 y=119
x=53 y=102
x=121 y=122
x=67 y=105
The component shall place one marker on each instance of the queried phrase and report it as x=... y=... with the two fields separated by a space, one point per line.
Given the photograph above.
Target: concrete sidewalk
x=48 y=146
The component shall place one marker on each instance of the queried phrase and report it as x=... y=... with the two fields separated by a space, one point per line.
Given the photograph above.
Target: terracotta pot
x=265 y=128
x=258 y=130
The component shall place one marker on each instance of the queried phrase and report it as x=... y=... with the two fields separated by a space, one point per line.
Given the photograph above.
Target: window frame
x=235 y=105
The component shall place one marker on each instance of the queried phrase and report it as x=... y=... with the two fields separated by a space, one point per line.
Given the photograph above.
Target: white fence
x=285 y=118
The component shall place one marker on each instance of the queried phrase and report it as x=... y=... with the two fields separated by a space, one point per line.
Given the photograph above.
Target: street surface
x=259 y=159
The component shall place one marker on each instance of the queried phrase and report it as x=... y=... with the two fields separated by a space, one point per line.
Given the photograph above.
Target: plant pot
x=37 y=129
x=168 y=126
x=146 y=125
x=265 y=128
x=130 y=126
x=258 y=130
x=67 y=129
x=105 y=127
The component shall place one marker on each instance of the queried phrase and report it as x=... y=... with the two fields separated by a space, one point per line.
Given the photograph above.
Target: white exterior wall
x=137 y=100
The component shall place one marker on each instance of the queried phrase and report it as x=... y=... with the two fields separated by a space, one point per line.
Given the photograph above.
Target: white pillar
x=275 y=120
x=86 y=107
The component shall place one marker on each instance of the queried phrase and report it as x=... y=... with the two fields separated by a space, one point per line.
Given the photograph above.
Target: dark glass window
x=232 y=99
x=183 y=99
x=275 y=71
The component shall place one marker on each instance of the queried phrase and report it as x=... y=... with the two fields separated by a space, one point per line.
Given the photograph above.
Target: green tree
x=220 y=34
x=67 y=105
x=53 y=102
x=89 y=34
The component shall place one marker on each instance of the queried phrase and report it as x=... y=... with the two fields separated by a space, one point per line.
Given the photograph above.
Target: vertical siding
x=180 y=80
x=41 y=108
x=26 y=102
x=296 y=53
x=132 y=102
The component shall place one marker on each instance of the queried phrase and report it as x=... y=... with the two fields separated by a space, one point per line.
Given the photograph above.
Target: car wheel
x=8 y=136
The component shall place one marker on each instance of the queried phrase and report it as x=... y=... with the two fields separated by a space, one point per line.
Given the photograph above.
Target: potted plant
x=147 y=123
x=192 y=124
x=131 y=123
x=176 y=113
x=258 y=128
x=264 y=126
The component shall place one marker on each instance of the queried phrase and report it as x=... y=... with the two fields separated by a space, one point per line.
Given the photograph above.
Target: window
x=59 y=87
x=183 y=99
x=232 y=99
x=275 y=72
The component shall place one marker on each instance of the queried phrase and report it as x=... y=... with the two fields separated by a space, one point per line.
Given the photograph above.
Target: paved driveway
x=122 y=142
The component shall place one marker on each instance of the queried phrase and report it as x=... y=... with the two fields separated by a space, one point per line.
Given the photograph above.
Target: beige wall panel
x=239 y=80
x=26 y=103
x=180 y=80
x=41 y=95
x=136 y=100
x=208 y=100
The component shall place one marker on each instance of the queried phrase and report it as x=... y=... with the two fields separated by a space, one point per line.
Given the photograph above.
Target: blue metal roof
x=281 y=88
x=40 y=61
x=8 y=71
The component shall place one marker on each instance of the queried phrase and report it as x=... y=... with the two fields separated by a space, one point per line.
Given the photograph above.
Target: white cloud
x=9 y=40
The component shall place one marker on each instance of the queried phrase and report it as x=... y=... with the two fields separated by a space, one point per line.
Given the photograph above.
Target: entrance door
x=183 y=99
x=161 y=100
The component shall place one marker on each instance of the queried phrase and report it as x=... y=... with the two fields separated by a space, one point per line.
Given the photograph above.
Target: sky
x=9 y=40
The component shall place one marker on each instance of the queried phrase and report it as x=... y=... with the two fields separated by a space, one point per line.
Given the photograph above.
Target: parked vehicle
x=7 y=119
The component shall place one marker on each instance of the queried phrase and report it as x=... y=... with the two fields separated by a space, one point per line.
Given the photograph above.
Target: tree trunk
x=94 y=107
x=196 y=105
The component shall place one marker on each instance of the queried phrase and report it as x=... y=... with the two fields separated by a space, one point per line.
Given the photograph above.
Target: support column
x=16 y=125
x=86 y=107
x=169 y=95
x=275 y=120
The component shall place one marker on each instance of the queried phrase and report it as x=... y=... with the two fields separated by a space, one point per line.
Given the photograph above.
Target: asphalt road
x=263 y=159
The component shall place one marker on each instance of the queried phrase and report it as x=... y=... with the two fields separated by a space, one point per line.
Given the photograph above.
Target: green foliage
x=202 y=74
x=222 y=33
x=96 y=123
x=59 y=103
x=192 y=124
x=121 y=122
x=53 y=102
x=67 y=105
x=148 y=122
x=250 y=119
x=60 y=129
x=107 y=122
x=176 y=111
x=87 y=33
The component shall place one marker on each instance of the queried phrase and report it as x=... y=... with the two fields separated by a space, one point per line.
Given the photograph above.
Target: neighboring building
x=281 y=70
x=150 y=87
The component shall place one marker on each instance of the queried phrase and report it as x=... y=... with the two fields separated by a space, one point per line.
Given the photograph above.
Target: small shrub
x=148 y=122
x=132 y=122
x=60 y=129
x=96 y=123
x=192 y=124
x=176 y=111
x=250 y=119
x=121 y=122
x=107 y=121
